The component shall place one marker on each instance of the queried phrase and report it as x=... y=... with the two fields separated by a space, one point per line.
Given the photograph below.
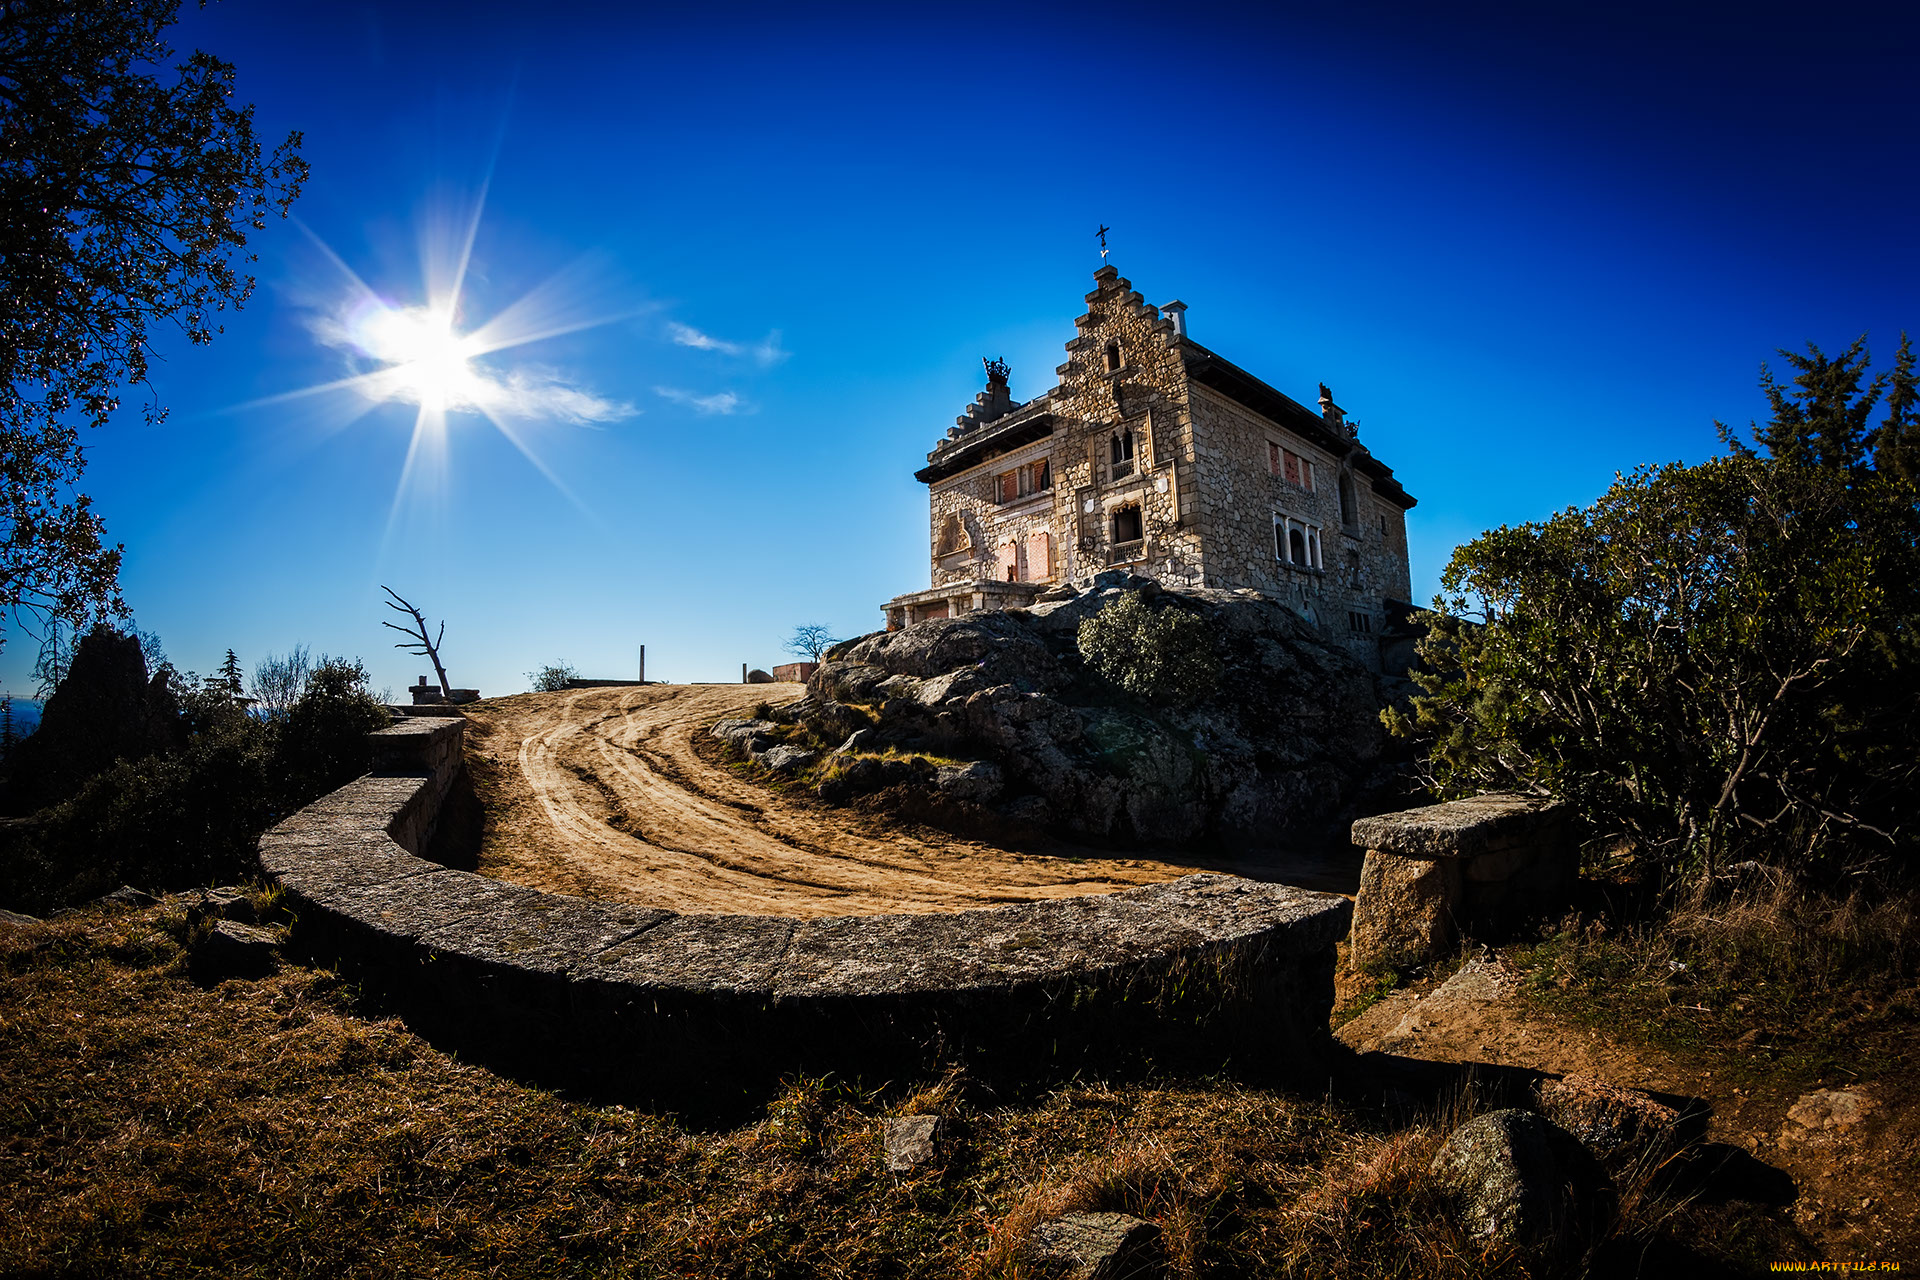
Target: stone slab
x=548 y=932
x=739 y=955
x=1458 y=828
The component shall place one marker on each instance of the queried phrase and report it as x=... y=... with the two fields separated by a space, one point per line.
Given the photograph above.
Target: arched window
x=1349 y=503
x=1120 y=447
x=1297 y=546
x=1113 y=356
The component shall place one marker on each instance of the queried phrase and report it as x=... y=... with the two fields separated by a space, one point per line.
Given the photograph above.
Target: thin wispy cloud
x=403 y=343
x=723 y=402
x=766 y=352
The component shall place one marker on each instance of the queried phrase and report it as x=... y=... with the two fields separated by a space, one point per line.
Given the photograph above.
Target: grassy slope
x=150 y=1125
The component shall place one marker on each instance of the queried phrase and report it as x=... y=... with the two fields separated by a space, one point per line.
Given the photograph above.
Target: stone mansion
x=1156 y=456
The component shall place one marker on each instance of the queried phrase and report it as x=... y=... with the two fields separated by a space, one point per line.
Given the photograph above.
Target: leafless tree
x=418 y=642
x=278 y=682
x=810 y=641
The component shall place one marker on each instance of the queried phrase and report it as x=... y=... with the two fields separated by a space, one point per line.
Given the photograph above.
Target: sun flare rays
x=421 y=352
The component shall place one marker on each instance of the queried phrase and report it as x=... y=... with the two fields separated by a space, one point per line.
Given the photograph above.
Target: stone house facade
x=1156 y=456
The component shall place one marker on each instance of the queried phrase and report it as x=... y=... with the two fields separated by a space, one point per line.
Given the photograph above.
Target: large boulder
x=1282 y=751
x=1518 y=1179
x=997 y=643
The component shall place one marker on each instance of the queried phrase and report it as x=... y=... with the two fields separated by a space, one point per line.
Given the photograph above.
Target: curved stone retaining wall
x=1204 y=971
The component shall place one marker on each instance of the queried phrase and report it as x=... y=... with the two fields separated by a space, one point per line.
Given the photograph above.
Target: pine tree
x=1822 y=417
x=230 y=676
x=1896 y=445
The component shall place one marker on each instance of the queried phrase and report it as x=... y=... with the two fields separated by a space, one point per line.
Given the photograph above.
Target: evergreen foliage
x=124 y=202
x=229 y=676
x=1160 y=655
x=1713 y=661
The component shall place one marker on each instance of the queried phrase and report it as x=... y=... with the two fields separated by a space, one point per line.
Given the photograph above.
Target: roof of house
x=1037 y=419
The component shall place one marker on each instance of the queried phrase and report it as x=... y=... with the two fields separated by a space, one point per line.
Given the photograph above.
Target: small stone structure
x=1467 y=865
x=1202 y=971
x=426 y=695
x=795 y=672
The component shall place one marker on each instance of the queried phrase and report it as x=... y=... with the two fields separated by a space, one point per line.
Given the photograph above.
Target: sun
x=426 y=359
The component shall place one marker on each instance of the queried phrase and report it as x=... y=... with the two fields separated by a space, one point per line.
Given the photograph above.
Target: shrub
x=553 y=677
x=193 y=816
x=323 y=742
x=1715 y=661
x=1162 y=655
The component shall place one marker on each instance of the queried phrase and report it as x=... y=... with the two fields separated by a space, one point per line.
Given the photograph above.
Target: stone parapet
x=1202 y=972
x=1474 y=865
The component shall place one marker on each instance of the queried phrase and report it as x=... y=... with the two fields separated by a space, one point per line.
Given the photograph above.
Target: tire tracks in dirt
x=600 y=792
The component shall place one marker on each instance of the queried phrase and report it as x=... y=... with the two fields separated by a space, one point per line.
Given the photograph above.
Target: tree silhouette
x=418 y=642
x=810 y=641
x=124 y=201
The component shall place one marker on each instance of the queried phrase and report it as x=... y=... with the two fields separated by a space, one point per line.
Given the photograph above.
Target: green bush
x=553 y=677
x=1162 y=655
x=1714 y=662
x=322 y=744
x=193 y=816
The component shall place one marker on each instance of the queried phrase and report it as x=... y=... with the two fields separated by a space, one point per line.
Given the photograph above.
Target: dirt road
x=599 y=792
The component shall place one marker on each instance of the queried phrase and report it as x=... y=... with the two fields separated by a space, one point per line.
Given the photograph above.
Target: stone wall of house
x=1146 y=396
x=1362 y=561
x=966 y=514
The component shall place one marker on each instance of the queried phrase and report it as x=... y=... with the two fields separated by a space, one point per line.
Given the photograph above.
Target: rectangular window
x=1025 y=481
x=1007 y=558
x=1360 y=622
x=1289 y=466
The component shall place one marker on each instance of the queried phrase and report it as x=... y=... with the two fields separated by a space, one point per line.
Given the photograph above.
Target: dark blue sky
x=1527 y=249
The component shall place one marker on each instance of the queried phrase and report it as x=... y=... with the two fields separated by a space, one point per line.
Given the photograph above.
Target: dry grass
x=1789 y=984
x=152 y=1126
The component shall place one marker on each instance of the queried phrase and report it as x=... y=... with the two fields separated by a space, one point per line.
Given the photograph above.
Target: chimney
x=1176 y=311
x=1336 y=416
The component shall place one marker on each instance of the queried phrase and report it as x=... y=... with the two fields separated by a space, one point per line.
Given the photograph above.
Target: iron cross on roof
x=1102 y=233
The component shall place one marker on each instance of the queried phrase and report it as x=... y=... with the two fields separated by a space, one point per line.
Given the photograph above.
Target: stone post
x=1431 y=874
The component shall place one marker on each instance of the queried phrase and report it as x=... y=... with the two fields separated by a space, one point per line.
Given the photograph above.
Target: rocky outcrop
x=1011 y=718
x=107 y=708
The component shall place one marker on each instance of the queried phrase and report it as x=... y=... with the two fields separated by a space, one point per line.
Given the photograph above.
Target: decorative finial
x=997 y=370
x=1102 y=233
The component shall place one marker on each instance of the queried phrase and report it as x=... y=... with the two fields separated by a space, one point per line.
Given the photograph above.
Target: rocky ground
x=1835 y=1159
x=998 y=715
